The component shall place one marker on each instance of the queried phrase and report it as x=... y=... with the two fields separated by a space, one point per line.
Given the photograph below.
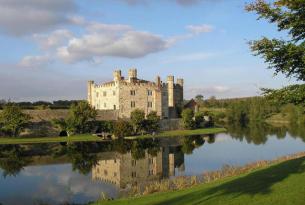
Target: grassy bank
x=281 y=183
x=91 y=138
x=175 y=133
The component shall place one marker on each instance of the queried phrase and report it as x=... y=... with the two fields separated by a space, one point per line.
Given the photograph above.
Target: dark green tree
x=13 y=120
x=187 y=118
x=122 y=129
x=152 y=122
x=137 y=119
x=81 y=118
x=285 y=56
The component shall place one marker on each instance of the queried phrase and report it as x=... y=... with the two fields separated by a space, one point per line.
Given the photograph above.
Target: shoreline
x=231 y=182
x=92 y=138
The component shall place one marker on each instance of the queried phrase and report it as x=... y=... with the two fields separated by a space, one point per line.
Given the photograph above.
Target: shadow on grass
x=259 y=182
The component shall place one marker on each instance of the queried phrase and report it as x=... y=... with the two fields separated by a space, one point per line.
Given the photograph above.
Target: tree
x=80 y=117
x=152 y=123
x=285 y=56
x=199 y=119
x=187 y=118
x=137 y=118
x=13 y=120
x=122 y=129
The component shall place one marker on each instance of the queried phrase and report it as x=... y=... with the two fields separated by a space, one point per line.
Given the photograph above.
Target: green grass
x=92 y=138
x=281 y=183
x=175 y=133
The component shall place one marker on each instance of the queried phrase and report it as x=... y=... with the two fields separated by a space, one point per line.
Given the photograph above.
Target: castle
x=122 y=96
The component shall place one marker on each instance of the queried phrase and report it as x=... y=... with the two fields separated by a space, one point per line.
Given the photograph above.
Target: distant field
x=92 y=138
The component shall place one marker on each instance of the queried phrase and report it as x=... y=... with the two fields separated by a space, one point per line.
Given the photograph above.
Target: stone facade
x=125 y=95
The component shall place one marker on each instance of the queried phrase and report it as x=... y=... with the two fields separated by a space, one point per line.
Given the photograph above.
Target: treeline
x=58 y=104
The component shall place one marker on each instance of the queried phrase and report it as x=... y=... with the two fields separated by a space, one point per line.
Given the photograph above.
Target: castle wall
x=140 y=99
x=105 y=97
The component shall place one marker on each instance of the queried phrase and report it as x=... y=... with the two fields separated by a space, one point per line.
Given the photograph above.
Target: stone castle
x=122 y=95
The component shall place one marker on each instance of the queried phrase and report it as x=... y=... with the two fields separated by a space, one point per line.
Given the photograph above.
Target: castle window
x=105 y=105
x=132 y=92
x=105 y=172
x=149 y=92
x=114 y=174
x=133 y=174
x=133 y=163
x=104 y=93
x=149 y=104
x=132 y=104
x=97 y=94
x=113 y=92
x=114 y=107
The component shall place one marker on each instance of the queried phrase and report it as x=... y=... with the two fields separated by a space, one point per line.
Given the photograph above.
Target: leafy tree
x=13 y=120
x=137 y=118
x=122 y=128
x=199 y=119
x=285 y=56
x=80 y=118
x=152 y=122
x=187 y=118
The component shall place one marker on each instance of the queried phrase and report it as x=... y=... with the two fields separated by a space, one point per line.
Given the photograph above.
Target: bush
x=152 y=122
x=122 y=129
x=187 y=118
x=137 y=118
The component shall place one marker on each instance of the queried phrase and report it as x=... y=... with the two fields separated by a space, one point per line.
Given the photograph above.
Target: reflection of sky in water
x=234 y=152
x=54 y=183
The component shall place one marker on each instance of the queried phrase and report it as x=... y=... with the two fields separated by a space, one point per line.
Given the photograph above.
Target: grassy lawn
x=281 y=183
x=175 y=133
x=92 y=138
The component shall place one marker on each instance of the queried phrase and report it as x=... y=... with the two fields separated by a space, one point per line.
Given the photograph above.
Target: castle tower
x=158 y=81
x=170 y=87
x=180 y=82
x=90 y=85
x=117 y=75
x=132 y=74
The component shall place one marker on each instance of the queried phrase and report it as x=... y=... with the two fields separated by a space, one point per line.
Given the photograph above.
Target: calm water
x=81 y=172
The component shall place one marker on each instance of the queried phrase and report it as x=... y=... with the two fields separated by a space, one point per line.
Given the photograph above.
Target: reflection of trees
x=12 y=160
x=82 y=157
x=257 y=133
x=189 y=143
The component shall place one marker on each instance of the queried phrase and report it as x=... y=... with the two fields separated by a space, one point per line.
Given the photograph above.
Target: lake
x=80 y=172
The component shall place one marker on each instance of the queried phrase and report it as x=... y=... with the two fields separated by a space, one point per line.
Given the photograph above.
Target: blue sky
x=49 y=49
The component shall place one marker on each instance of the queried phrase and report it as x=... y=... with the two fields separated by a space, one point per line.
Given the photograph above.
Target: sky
x=51 y=48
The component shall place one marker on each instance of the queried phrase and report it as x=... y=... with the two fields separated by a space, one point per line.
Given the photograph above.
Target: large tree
x=13 y=120
x=286 y=56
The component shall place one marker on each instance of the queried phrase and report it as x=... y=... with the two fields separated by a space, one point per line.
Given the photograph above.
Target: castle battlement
x=127 y=94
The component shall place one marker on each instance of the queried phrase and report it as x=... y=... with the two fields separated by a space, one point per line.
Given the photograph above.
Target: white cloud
x=198 y=29
x=111 y=40
x=35 y=61
x=20 y=17
x=55 y=39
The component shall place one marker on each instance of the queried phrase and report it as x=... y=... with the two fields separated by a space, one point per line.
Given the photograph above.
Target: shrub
x=187 y=118
x=122 y=128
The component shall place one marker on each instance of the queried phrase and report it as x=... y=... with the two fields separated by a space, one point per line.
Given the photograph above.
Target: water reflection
x=80 y=172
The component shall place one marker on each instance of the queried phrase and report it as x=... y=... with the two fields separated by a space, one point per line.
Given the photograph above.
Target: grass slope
x=91 y=138
x=283 y=183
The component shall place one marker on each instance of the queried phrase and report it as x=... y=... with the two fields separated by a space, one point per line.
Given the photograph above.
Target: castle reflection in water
x=123 y=170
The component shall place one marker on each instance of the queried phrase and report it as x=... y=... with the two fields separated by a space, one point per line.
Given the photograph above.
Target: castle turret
x=180 y=82
x=90 y=85
x=132 y=74
x=170 y=87
x=117 y=75
x=158 y=81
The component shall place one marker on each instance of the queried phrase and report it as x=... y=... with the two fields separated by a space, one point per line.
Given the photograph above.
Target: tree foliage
x=285 y=56
x=187 y=118
x=137 y=119
x=13 y=120
x=80 y=119
x=152 y=122
x=122 y=128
